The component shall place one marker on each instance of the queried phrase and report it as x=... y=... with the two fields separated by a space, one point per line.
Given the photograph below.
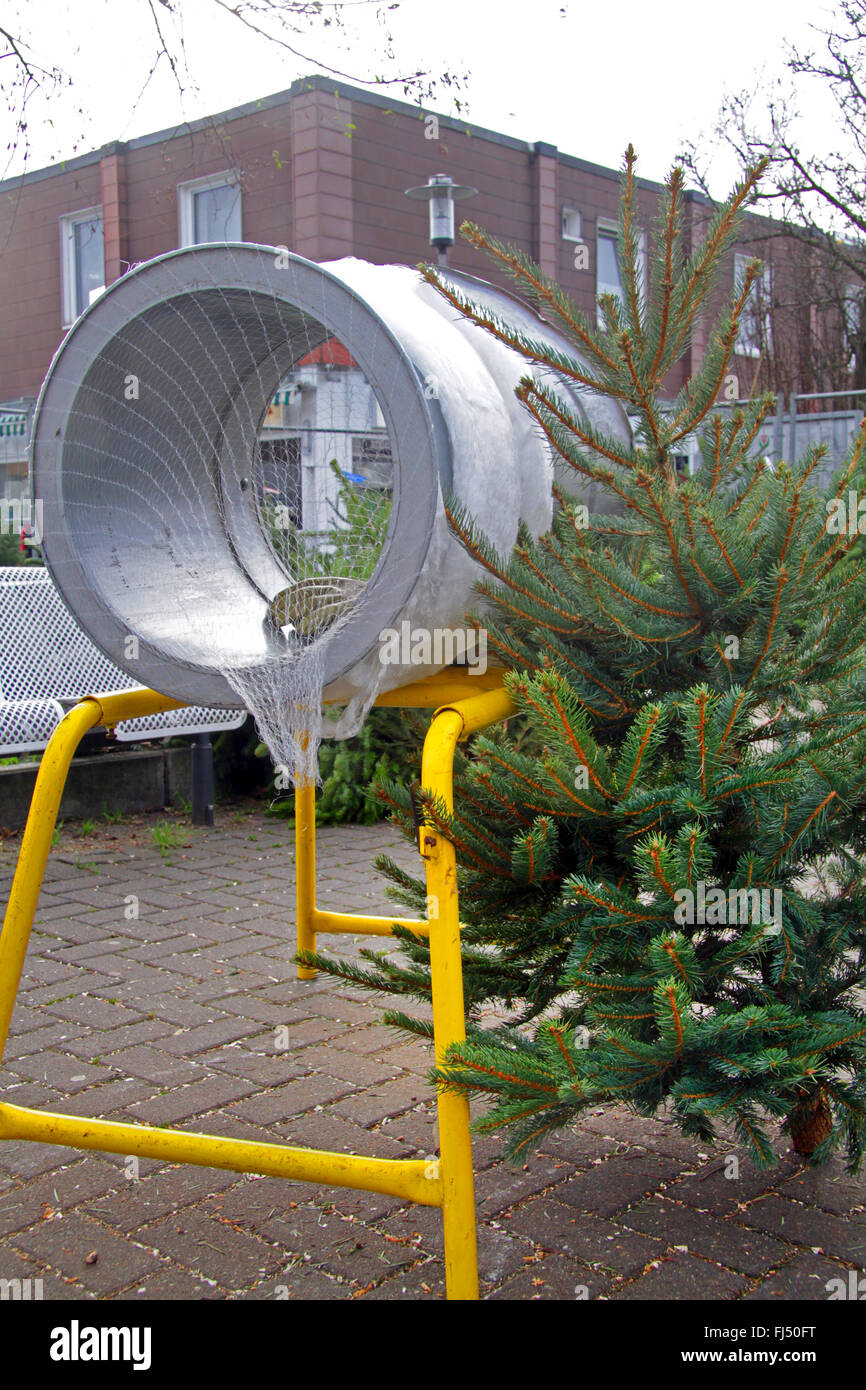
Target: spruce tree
x=660 y=856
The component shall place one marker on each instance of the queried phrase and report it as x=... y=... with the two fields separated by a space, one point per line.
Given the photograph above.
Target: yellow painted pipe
x=454 y=683
x=41 y=820
x=415 y=1180
x=305 y=871
x=33 y=855
x=450 y=725
x=349 y=922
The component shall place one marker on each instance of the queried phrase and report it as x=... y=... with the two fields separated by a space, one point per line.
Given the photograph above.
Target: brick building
x=320 y=168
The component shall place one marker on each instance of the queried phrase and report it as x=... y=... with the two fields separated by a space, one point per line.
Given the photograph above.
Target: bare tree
x=816 y=198
x=292 y=26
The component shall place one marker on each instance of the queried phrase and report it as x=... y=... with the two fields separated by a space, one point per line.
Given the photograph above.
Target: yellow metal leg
x=32 y=858
x=458 y=1186
x=41 y=819
x=305 y=869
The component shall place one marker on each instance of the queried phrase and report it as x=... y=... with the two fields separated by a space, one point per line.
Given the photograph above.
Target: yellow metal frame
x=463 y=703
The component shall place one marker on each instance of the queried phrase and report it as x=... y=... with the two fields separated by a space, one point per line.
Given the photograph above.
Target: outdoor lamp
x=440 y=190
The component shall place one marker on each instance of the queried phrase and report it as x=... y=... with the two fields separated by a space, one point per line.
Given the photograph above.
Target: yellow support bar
x=413 y=1179
x=467 y=691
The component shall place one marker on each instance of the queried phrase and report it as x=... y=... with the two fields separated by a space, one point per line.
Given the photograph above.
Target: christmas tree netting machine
x=242 y=459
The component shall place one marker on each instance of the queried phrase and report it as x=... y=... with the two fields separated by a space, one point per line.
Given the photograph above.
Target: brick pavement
x=156 y=989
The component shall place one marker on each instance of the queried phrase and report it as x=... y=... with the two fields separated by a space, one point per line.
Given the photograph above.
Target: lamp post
x=440 y=192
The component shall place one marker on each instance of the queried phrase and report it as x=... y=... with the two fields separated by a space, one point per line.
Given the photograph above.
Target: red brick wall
x=390 y=153
x=325 y=175
x=30 y=297
x=258 y=144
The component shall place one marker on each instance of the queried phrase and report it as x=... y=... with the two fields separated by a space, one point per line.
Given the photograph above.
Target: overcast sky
x=586 y=77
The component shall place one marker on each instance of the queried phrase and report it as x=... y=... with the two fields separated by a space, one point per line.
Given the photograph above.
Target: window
x=82 y=261
x=607 y=275
x=571 y=224
x=210 y=210
x=755 y=330
x=852 y=308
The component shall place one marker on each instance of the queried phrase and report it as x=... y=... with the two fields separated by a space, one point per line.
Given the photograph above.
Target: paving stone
x=619 y=1181
x=293 y=1098
x=22 y=1158
x=210 y=1035
x=748 y=1252
x=266 y=1070
x=503 y=1186
x=66 y=1244
x=158 y=1067
x=680 y=1278
x=343 y=1248
x=185 y=1000
x=105 y=1100
x=198 y=1098
x=424 y=1281
x=258 y=1010
x=105 y=1044
x=369 y=1206
x=175 y=1285
x=832 y=1189
x=135 y=1204
x=300 y=1283
x=202 y=1242
x=35 y=1282
x=710 y=1190
x=801 y=1225
x=54 y=1035
x=51 y=1197
x=582 y=1147
x=553 y=1278
x=559 y=1229
x=313 y=1030
x=96 y=1012
x=805 y=1277
x=390 y=1098
x=68 y=1074
x=344 y=1010
x=419 y=1129
x=181 y=1011
x=361 y=1071
x=326 y=1130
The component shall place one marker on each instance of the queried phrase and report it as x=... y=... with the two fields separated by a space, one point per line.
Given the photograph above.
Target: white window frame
x=606 y=227
x=764 y=308
x=852 y=310
x=186 y=202
x=567 y=213
x=68 y=269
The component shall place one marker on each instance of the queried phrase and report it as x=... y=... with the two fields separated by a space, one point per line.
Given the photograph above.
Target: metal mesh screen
x=45 y=658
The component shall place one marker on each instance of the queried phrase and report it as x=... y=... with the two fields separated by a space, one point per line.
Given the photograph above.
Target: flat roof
x=318 y=83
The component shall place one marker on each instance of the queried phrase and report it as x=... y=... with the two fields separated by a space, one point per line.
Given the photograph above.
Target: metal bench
x=47 y=664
